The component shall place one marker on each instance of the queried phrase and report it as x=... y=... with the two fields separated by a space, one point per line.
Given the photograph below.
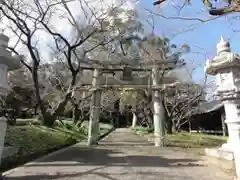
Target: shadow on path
x=82 y=156
x=120 y=156
x=105 y=157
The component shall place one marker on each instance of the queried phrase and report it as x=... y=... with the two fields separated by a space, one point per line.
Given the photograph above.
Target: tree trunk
x=168 y=119
x=48 y=117
x=149 y=120
x=174 y=126
x=77 y=115
x=61 y=106
x=134 y=120
x=45 y=116
x=189 y=126
x=168 y=125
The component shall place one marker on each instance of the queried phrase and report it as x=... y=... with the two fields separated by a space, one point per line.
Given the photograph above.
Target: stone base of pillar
x=222 y=158
x=221 y=153
x=3 y=126
x=229 y=151
x=228 y=147
x=237 y=162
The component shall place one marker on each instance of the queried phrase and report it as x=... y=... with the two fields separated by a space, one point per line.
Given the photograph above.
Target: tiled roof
x=209 y=106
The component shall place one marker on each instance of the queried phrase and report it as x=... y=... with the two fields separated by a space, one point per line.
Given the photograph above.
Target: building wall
x=206 y=121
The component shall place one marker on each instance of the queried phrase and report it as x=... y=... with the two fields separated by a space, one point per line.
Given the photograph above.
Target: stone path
x=121 y=156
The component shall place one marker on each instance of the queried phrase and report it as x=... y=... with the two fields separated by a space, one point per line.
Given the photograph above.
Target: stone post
x=7 y=63
x=226 y=66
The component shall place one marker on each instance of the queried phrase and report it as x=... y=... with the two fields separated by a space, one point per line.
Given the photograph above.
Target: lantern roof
x=223 y=46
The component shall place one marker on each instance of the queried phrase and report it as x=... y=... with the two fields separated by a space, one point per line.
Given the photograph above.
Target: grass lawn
x=31 y=139
x=35 y=140
x=187 y=140
x=195 y=140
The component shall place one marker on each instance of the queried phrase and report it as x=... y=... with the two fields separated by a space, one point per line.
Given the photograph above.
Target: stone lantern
x=226 y=66
x=7 y=63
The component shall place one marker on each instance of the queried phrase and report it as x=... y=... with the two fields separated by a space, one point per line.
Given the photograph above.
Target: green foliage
x=157 y=40
x=230 y=7
x=195 y=140
x=25 y=122
x=186 y=140
x=185 y=48
x=104 y=127
x=74 y=130
x=68 y=111
x=129 y=98
x=79 y=131
x=19 y=101
x=47 y=119
x=143 y=130
x=32 y=139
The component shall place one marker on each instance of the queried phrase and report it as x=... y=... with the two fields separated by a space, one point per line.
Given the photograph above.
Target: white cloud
x=182 y=75
x=81 y=9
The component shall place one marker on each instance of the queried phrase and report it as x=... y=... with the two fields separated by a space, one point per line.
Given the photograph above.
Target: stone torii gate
x=100 y=82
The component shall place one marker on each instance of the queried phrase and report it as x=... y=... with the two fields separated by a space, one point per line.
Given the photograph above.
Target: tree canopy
x=231 y=6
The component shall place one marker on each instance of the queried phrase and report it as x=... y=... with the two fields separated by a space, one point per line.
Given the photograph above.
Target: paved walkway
x=121 y=156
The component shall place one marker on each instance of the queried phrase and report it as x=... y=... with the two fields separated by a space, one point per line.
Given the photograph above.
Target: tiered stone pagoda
x=226 y=66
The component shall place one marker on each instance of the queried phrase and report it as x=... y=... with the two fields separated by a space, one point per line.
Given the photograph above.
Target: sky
x=201 y=37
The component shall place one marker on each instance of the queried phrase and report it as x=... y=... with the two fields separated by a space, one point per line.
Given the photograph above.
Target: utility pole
x=93 y=130
x=158 y=116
